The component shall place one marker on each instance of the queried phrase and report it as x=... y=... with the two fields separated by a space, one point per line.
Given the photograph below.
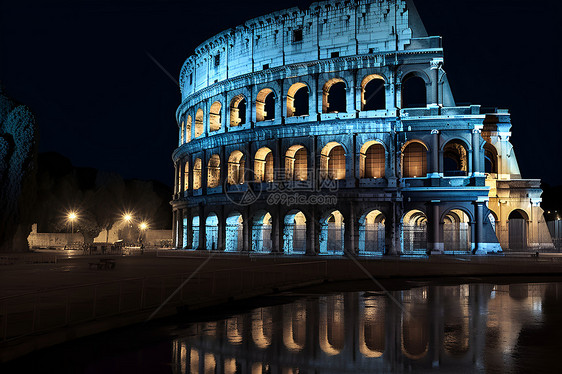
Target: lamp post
x=72 y=216
x=142 y=227
x=127 y=217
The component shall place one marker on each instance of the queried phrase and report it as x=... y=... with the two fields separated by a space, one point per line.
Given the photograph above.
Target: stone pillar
x=190 y=178
x=246 y=234
x=174 y=229
x=202 y=228
x=221 y=233
x=479 y=228
x=476 y=167
x=179 y=217
x=435 y=65
x=276 y=232
x=176 y=187
x=434 y=154
x=181 y=178
x=393 y=230
x=188 y=230
x=312 y=234
x=351 y=232
x=435 y=244
x=204 y=173
x=223 y=167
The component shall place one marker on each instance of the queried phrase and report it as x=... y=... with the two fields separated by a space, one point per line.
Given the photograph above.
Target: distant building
x=335 y=129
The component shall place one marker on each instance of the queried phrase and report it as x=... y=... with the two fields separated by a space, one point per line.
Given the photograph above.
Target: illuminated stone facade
x=334 y=129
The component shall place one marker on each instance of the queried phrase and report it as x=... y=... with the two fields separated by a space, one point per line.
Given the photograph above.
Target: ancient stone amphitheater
x=333 y=130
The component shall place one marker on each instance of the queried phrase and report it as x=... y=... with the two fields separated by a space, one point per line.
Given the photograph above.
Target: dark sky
x=83 y=67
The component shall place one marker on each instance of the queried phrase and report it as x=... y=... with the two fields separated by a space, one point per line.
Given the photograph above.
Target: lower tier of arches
x=350 y=226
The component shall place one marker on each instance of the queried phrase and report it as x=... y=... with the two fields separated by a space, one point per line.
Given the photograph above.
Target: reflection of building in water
x=450 y=327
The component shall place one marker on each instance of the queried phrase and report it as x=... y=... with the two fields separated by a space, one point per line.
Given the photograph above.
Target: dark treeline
x=99 y=198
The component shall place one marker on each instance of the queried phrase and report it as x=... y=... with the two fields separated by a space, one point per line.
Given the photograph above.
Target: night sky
x=84 y=68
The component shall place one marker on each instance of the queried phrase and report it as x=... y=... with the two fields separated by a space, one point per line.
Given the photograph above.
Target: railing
x=44 y=311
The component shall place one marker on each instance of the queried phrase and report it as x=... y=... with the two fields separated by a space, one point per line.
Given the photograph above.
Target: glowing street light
x=72 y=216
x=143 y=226
x=127 y=217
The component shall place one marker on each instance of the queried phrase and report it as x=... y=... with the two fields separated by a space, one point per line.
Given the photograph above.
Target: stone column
x=190 y=177
x=246 y=234
x=434 y=154
x=350 y=232
x=176 y=187
x=435 y=65
x=174 y=229
x=204 y=173
x=276 y=232
x=221 y=232
x=179 y=217
x=188 y=230
x=479 y=226
x=435 y=244
x=202 y=228
x=312 y=234
x=476 y=167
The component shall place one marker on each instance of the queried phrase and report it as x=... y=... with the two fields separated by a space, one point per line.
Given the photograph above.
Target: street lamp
x=72 y=216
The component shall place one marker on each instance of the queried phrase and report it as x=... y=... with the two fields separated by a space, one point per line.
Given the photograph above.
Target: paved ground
x=42 y=304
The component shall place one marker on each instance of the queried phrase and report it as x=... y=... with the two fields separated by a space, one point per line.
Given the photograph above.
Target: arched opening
x=234 y=330
x=294 y=326
x=334 y=96
x=414 y=160
x=236 y=168
x=332 y=233
x=215 y=116
x=518 y=227
x=261 y=232
x=372 y=160
x=294 y=233
x=199 y=124
x=197 y=166
x=457 y=231
x=186 y=176
x=188 y=129
x=297 y=100
x=262 y=327
x=234 y=232
x=332 y=162
x=296 y=164
x=414 y=232
x=263 y=165
x=332 y=324
x=372 y=233
x=195 y=230
x=238 y=111
x=373 y=93
x=213 y=171
x=415 y=324
x=490 y=159
x=414 y=92
x=372 y=329
x=265 y=105
x=455 y=159
x=212 y=232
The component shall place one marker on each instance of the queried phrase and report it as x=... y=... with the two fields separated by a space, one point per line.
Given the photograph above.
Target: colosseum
x=334 y=130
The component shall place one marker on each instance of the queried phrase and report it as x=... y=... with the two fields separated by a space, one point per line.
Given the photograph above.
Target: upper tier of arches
x=338 y=95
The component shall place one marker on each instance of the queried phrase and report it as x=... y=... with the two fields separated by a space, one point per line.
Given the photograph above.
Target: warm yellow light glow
x=72 y=216
x=143 y=226
x=127 y=217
